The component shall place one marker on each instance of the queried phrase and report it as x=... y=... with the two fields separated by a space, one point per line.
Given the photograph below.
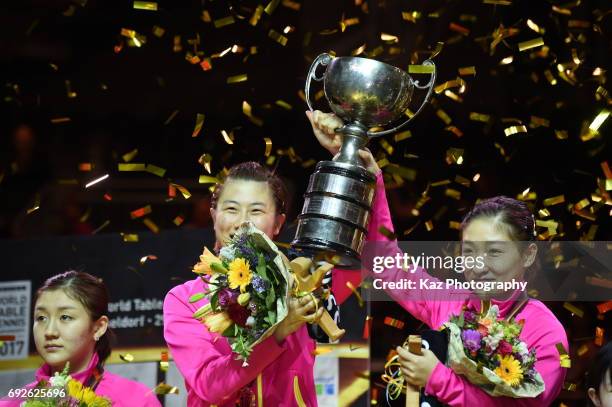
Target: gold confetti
x=151 y=225
x=514 y=130
x=164 y=388
x=246 y=109
x=268 y=142
x=525 y=45
x=507 y=60
x=172 y=116
x=498 y=2
x=206 y=16
x=573 y=309
x=155 y=170
x=561 y=134
x=271 y=6
x=455 y=130
x=386 y=146
x=127 y=157
x=467 y=70
x=426 y=69
x=207 y=179
x=222 y=22
x=480 y=117
x=140 y=212
x=177 y=46
x=555 y=200
x=256 y=15
x=145 y=5
x=128 y=357
x=129 y=237
x=453 y=193
x=599 y=120
x=237 y=78
x=443 y=116
x=86 y=167
x=198 y=125
x=564 y=359
x=459 y=29
x=535 y=27
x=536 y=122
x=278 y=37
x=389 y=38
x=429 y=225
x=459 y=82
x=356 y=293
x=158 y=31
x=582 y=350
x=131 y=167
x=454 y=225
x=283 y=104
x=36 y=205
x=387 y=233
x=69 y=92
x=186 y=194
x=228 y=137
x=178 y=221
x=402 y=136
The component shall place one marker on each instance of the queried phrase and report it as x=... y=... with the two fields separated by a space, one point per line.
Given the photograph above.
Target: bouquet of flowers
x=247 y=289
x=489 y=353
x=63 y=391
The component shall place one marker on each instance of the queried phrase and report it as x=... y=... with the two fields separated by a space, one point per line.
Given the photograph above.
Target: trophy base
x=336 y=212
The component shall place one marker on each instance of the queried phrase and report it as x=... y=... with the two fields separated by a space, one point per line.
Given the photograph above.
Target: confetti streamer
x=509 y=131
x=278 y=37
x=237 y=78
x=145 y=5
x=131 y=167
x=206 y=179
x=268 y=142
x=155 y=170
x=564 y=359
x=395 y=323
x=198 y=125
x=555 y=200
x=271 y=7
x=97 y=180
x=127 y=157
x=573 y=309
x=467 y=70
x=129 y=237
x=480 y=117
x=163 y=388
x=247 y=110
x=186 y=194
x=526 y=45
x=128 y=357
x=222 y=22
x=151 y=225
x=351 y=287
x=424 y=69
x=59 y=120
x=140 y=212
x=228 y=137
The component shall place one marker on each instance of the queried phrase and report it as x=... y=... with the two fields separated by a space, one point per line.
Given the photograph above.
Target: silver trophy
x=364 y=93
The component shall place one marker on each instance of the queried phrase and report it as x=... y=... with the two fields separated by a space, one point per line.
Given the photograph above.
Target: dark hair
x=89 y=291
x=253 y=171
x=603 y=365
x=511 y=213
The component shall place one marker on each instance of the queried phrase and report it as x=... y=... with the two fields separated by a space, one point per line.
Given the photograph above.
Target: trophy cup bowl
x=367 y=91
x=364 y=93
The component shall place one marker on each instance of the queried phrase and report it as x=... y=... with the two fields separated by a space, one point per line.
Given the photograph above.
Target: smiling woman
x=71 y=328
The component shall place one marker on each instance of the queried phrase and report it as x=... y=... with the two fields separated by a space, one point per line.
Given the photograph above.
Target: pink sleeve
x=412 y=301
x=455 y=390
x=211 y=374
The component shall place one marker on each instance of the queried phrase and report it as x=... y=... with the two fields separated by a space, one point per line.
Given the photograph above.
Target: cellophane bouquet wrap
x=488 y=352
x=248 y=286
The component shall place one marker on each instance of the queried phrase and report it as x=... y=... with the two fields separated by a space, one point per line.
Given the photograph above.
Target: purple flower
x=228 y=297
x=468 y=315
x=259 y=284
x=471 y=340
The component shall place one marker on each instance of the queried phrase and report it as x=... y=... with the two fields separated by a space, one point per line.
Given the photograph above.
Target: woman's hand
x=324 y=126
x=416 y=368
x=300 y=311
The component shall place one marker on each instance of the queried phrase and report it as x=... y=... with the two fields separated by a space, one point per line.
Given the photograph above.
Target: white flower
x=250 y=322
x=521 y=349
x=59 y=380
x=227 y=253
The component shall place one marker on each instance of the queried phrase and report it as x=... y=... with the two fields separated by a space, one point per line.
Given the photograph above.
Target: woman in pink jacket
x=280 y=369
x=70 y=325
x=501 y=226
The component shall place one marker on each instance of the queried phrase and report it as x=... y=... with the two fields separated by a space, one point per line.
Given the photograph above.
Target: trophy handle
x=430 y=85
x=323 y=59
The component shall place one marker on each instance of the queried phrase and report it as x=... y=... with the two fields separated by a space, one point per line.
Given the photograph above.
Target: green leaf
x=214 y=301
x=196 y=297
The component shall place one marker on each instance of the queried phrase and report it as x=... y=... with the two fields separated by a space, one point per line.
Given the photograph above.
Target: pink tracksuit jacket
x=121 y=391
x=541 y=331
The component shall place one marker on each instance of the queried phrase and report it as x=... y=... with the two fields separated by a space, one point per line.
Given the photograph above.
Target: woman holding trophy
x=279 y=371
x=504 y=227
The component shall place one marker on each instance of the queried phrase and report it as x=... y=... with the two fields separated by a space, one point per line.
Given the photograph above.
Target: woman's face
x=241 y=201
x=603 y=397
x=64 y=331
x=503 y=258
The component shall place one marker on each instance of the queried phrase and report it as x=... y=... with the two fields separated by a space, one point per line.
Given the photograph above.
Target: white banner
x=15 y=299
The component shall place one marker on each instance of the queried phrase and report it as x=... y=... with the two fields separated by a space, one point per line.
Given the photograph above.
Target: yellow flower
x=206 y=259
x=509 y=370
x=75 y=389
x=217 y=322
x=86 y=395
x=239 y=274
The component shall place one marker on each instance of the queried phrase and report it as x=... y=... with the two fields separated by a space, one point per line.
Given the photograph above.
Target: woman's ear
x=594 y=397
x=279 y=222
x=100 y=326
x=529 y=255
